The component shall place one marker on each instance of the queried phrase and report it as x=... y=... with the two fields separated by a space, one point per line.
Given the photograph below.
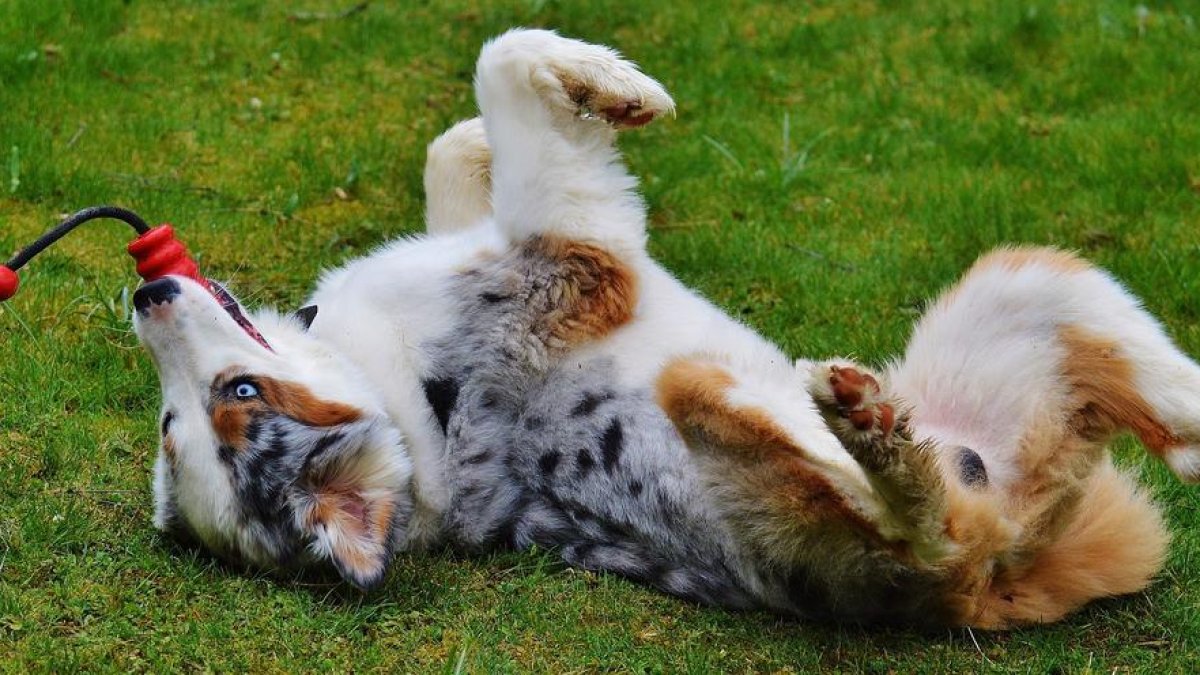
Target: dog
x=525 y=374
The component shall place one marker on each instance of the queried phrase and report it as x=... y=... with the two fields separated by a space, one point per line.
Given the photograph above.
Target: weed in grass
x=14 y=169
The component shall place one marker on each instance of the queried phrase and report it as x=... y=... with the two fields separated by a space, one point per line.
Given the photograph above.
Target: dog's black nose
x=156 y=292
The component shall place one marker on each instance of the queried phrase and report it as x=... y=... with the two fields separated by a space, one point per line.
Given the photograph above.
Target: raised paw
x=857 y=407
x=603 y=86
x=581 y=80
x=621 y=113
x=458 y=178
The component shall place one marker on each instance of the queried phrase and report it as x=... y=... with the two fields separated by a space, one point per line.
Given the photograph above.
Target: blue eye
x=245 y=390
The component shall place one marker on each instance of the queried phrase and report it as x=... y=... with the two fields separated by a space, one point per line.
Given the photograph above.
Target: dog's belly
x=575 y=463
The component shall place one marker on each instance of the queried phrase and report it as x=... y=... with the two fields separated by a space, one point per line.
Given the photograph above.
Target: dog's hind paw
x=602 y=85
x=859 y=410
x=617 y=108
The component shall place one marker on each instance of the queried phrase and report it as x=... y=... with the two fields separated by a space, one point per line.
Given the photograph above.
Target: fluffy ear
x=354 y=498
x=306 y=315
x=354 y=530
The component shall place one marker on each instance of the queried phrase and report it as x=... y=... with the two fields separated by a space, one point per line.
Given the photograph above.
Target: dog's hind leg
x=552 y=107
x=1034 y=361
x=458 y=178
x=1038 y=338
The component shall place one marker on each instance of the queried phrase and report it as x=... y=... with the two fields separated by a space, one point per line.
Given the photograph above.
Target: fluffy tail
x=1113 y=545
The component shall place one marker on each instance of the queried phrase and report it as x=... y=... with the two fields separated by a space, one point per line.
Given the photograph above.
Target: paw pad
x=624 y=115
x=857 y=396
x=617 y=94
x=627 y=114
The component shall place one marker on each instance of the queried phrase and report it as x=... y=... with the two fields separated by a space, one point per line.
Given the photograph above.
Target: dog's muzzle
x=163 y=291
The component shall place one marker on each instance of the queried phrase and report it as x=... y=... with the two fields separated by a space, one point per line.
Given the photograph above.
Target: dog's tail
x=1113 y=545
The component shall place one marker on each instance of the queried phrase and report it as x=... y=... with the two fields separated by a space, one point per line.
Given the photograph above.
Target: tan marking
x=298 y=403
x=169 y=451
x=337 y=511
x=599 y=291
x=1064 y=444
x=1109 y=542
x=577 y=91
x=353 y=557
x=975 y=523
x=230 y=416
x=1013 y=258
x=381 y=519
x=336 y=505
x=1114 y=544
x=1102 y=380
x=230 y=419
x=360 y=527
x=694 y=396
x=1083 y=530
x=1019 y=257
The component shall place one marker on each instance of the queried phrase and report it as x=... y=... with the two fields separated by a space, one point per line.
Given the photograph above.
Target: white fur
x=395 y=297
x=551 y=173
x=972 y=362
x=458 y=166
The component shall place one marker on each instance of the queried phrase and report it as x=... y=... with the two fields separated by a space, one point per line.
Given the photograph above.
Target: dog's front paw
x=586 y=81
x=623 y=100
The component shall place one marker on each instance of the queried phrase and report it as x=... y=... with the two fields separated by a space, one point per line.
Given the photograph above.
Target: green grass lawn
x=832 y=165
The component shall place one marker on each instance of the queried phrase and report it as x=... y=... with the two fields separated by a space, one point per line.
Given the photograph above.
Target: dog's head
x=276 y=455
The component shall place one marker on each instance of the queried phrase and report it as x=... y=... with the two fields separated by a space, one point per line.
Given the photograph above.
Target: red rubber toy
x=158 y=253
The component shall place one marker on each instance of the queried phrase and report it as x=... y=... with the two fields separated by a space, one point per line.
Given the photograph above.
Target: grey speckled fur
x=561 y=456
x=564 y=458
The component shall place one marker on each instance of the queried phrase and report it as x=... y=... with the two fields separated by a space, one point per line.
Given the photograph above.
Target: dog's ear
x=354 y=495
x=306 y=315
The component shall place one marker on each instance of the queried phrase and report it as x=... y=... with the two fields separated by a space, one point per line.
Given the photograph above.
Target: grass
x=833 y=164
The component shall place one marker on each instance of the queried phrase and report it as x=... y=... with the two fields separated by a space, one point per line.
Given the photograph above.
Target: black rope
x=75 y=220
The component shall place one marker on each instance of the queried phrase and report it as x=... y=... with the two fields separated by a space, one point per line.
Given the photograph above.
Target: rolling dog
x=526 y=374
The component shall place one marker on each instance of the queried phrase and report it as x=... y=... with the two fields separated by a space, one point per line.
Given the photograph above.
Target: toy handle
x=157 y=251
